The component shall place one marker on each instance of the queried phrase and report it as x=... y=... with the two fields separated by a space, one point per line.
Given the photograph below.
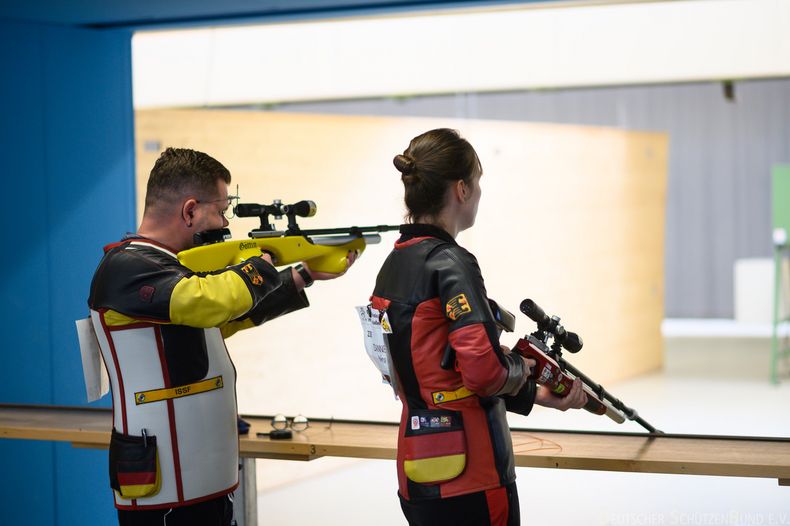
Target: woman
x=455 y=457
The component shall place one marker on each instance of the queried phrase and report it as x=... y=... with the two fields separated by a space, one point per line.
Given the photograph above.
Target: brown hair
x=180 y=171
x=432 y=162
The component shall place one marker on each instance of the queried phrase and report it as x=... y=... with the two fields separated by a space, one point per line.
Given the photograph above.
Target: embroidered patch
x=415 y=422
x=147 y=293
x=432 y=422
x=253 y=274
x=457 y=307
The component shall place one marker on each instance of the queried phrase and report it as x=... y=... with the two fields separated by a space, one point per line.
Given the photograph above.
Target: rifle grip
x=546 y=371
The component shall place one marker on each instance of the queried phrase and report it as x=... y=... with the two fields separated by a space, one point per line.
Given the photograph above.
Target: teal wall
x=67 y=165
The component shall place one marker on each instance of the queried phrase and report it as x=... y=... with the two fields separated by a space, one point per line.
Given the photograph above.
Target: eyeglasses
x=297 y=423
x=281 y=425
x=230 y=211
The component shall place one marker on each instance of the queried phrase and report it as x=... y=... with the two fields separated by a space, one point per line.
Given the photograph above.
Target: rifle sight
x=278 y=210
x=550 y=326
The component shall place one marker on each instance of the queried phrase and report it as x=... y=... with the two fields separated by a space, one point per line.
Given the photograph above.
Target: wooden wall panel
x=572 y=217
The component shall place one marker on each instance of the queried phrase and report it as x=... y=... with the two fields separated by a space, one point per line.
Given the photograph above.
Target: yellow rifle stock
x=324 y=250
x=324 y=254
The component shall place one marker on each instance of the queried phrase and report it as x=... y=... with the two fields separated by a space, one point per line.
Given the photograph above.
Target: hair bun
x=404 y=164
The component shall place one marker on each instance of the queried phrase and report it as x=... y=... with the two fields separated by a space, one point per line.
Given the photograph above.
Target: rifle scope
x=571 y=341
x=277 y=209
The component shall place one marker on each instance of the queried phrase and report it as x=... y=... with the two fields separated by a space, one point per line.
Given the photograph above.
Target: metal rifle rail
x=350 y=231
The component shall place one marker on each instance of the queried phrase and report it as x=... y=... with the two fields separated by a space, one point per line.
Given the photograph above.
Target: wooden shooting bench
x=762 y=457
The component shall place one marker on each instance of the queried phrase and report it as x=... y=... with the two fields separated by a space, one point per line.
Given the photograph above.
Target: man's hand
x=323 y=276
x=267 y=258
x=575 y=399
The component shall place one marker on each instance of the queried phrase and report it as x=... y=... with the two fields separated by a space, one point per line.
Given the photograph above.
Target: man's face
x=210 y=210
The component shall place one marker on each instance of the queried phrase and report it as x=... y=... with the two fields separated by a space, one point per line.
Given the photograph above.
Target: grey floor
x=708 y=385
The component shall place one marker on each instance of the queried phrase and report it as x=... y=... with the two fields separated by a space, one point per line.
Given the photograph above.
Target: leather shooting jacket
x=453 y=437
x=161 y=330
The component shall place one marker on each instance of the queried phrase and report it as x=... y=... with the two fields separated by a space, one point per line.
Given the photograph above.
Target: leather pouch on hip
x=134 y=466
x=434 y=446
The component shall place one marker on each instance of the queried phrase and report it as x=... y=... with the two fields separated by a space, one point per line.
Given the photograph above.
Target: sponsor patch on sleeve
x=252 y=273
x=457 y=307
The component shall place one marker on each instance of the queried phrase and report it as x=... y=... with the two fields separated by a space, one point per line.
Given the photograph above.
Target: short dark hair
x=180 y=171
x=433 y=161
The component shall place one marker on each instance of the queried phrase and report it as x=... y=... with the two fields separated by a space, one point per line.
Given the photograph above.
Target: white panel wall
x=519 y=47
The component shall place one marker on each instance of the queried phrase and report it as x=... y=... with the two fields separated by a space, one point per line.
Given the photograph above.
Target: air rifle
x=324 y=250
x=557 y=374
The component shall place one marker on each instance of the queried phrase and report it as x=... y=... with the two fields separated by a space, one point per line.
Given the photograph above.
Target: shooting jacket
x=161 y=330
x=453 y=437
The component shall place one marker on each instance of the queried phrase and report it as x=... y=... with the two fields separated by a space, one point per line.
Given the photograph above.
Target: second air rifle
x=324 y=250
x=553 y=371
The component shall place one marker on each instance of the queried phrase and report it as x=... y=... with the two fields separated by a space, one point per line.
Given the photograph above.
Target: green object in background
x=780 y=198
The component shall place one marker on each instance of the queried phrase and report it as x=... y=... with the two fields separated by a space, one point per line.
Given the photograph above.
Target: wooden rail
x=629 y=452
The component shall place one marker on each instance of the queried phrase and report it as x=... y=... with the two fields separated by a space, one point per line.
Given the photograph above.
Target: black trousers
x=215 y=512
x=494 y=507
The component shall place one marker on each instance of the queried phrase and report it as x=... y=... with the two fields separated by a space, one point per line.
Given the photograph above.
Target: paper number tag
x=374 y=327
x=97 y=383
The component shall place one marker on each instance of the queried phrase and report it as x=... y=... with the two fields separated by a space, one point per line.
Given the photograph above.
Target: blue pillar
x=67 y=165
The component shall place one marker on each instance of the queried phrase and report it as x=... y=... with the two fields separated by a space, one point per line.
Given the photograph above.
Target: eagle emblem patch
x=253 y=274
x=457 y=307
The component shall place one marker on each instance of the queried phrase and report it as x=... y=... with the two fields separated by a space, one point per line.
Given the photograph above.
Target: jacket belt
x=441 y=397
x=157 y=395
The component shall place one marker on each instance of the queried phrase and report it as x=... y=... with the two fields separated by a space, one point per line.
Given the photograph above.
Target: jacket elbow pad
x=515 y=375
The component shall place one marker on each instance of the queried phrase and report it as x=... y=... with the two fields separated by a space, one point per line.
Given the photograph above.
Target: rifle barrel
x=629 y=413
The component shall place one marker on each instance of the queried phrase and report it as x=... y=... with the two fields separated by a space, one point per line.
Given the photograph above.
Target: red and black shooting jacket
x=433 y=294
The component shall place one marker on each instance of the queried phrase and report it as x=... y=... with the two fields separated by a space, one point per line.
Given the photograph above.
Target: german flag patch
x=457 y=307
x=252 y=273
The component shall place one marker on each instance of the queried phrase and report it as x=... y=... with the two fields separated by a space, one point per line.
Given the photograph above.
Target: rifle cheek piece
x=208 y=237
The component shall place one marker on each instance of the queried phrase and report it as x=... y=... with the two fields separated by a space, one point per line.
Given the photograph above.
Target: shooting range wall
x=718 y=182
x=571 y=216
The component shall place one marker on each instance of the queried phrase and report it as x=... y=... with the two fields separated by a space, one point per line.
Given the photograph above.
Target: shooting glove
x=522 y=401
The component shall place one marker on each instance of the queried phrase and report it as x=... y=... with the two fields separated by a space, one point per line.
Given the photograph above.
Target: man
x=161 y=330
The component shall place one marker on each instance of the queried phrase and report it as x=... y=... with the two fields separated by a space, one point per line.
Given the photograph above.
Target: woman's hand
x=575 y=399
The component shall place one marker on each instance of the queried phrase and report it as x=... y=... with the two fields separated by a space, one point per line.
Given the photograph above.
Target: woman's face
x=469 y=208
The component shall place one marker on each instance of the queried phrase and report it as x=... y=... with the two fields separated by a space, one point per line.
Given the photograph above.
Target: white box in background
x=754 y=289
